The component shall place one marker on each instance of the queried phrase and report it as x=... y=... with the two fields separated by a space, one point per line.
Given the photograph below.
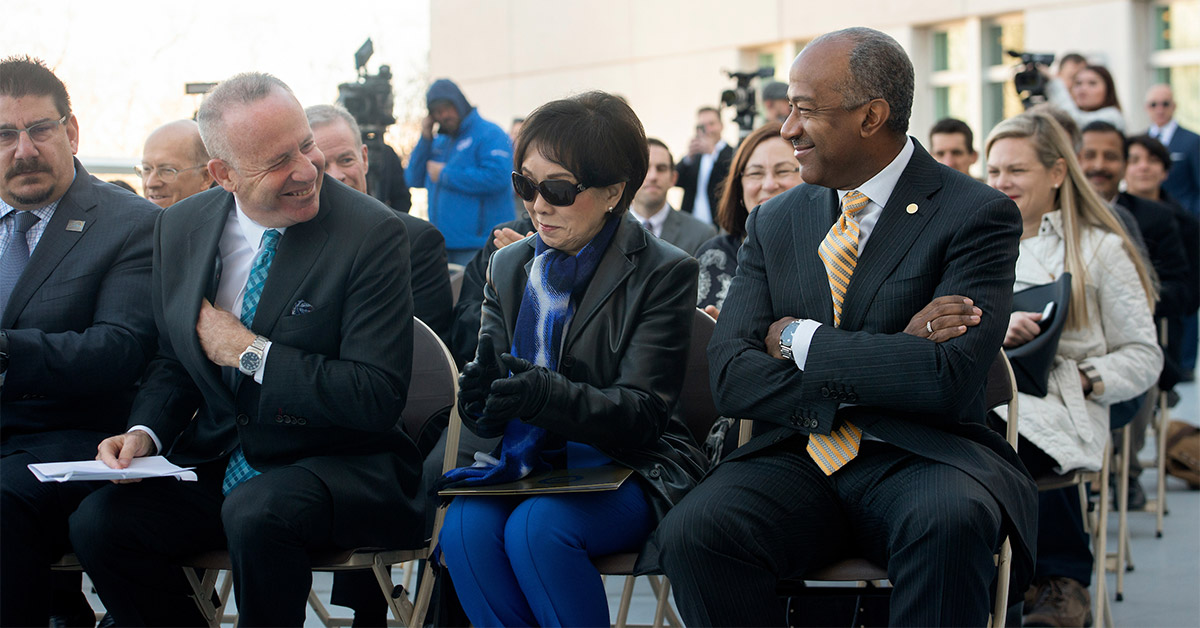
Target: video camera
x=370 y=101
x=742 y=98
x=1029 y=82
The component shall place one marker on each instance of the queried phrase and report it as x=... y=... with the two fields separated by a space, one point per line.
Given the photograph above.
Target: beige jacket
x=1118 y=340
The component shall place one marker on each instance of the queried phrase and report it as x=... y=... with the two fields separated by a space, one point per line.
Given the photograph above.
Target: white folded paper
x=139 y=468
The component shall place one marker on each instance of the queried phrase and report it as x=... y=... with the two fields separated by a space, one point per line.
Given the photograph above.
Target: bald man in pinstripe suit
x=823 y=345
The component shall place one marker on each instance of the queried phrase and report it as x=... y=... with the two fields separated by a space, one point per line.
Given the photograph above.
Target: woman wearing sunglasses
x=584 y=331
x=762 y=168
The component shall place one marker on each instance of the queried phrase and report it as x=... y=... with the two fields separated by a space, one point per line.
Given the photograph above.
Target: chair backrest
x=434 y=382
x=1002 y=390
x=696 y=405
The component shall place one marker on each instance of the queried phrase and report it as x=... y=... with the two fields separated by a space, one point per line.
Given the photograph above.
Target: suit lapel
x=56 y=241
x=893 y=235
x=299 y=249
x=810 y=224
x=671 y=226
x=614 y=267
x=203 y=249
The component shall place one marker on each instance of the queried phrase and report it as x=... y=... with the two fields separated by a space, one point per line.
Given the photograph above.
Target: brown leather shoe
x=1061 y=602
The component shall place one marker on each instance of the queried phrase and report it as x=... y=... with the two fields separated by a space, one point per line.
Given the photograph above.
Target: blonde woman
x=1107 y=352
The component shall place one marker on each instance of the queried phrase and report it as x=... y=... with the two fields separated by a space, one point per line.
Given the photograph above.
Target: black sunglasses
x=557 y=192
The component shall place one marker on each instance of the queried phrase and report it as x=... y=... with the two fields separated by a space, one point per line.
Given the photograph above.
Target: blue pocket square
x=301 y=307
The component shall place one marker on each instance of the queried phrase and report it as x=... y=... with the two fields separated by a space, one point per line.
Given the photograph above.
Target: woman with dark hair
x=585 y=326
x=1091 y=96
x=763 y=167
x=1146 y=169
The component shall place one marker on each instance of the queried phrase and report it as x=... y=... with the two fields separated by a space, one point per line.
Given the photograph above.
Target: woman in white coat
x=1107 y=352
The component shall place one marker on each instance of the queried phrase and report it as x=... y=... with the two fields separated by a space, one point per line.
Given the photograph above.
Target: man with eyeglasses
x=174 y=164
x=1183 y=181
x=75 y=331
x=651 y=209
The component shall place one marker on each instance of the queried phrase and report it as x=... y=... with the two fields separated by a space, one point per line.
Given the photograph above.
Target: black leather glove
x=524 y=394
x=475 y=381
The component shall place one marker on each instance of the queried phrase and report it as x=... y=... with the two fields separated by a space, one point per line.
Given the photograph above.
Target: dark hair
x=595 y=136
x=1152 y=146
x=27 y=76
x=879 y=68
x=954 y=125
x=731 y=210
x=123 y=185
x=707 y=108
x=1100 y=126
x=654 y=141
x=1110 y=88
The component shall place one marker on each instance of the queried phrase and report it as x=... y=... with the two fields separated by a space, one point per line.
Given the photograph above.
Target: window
x=1176 y=54
x=1000 y=100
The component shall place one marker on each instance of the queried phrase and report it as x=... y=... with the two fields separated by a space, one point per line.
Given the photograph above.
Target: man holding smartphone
x=702 y=172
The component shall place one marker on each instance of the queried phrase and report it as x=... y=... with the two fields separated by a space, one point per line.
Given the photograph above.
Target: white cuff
x=801 y=339
x=258 y=375
x=154 y=437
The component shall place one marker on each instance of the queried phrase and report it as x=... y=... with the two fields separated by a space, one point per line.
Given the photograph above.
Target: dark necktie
x=239 y=470
x=16 y=256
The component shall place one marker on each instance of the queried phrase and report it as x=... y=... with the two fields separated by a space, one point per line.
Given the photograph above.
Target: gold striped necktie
x=839 y=252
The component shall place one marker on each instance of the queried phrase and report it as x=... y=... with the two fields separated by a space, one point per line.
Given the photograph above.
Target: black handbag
x=1032 y=361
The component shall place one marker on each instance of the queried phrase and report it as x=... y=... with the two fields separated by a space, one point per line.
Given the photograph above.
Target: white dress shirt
x=655 y=222
x=878 y=189
x=1164 y=133
x=240 y=245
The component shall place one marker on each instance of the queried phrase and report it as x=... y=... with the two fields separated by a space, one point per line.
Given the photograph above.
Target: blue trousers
x=525 y=562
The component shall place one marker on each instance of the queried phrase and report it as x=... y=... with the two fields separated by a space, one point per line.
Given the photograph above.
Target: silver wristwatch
x=252 y=358
x=785 y=340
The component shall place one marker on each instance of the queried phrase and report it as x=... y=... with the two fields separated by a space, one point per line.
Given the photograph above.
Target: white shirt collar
x=1166 y=131
x=879 y=187
x=252 y=231
x=657 y=219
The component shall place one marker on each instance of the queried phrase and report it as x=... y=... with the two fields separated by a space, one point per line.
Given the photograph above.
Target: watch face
x=249 y=361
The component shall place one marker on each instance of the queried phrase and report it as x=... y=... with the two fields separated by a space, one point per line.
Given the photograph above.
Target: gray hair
x=879 y=68
x=324 y=114
x=240 y=89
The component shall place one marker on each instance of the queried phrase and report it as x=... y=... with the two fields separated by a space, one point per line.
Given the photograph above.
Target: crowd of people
x=252 y=317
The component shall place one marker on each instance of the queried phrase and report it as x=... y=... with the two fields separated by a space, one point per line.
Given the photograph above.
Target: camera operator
x=703 y=171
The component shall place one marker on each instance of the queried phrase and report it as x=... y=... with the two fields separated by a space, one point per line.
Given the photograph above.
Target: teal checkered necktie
x=239 y=470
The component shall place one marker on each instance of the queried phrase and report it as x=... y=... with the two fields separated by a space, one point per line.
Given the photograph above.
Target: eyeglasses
x=557 y=192
x=39 y=132
x=757 y=174
x=165 y=173
x=1155 y=104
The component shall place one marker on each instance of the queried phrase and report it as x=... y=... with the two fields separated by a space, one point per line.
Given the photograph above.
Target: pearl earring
x=610 y=210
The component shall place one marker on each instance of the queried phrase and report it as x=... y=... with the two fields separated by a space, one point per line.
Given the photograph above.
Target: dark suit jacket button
x=843 y=396
x=825 y=391
x=301 y=421
x=279 y=418
x=568 y=361
x=656 y=471
x=812 y=424
x=243 y=419
x=852 y=397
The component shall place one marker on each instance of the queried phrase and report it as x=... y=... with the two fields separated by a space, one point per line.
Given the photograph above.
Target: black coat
x=689 y=176
x=623 y=355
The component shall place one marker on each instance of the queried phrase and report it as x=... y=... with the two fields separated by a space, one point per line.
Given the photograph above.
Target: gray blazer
x=686 y=232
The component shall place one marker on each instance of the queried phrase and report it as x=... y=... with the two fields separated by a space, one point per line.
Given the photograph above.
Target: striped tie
x=839 y=252
x=239 y=470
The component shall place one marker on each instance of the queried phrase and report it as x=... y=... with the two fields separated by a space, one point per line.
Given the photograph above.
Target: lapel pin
x=912 y=208
x=74 y=225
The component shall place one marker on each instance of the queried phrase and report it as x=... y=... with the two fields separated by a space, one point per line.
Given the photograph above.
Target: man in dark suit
x=904 y=473
x=1183 y=180
x=285 y=349
x=340 y=140
x=703 y=171
x=74 y=330
x=651 y=209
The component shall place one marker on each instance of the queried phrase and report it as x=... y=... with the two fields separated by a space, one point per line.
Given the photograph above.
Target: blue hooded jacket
x=474 y=191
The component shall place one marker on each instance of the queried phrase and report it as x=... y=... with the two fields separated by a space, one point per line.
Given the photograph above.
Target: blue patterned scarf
x=556 y=282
